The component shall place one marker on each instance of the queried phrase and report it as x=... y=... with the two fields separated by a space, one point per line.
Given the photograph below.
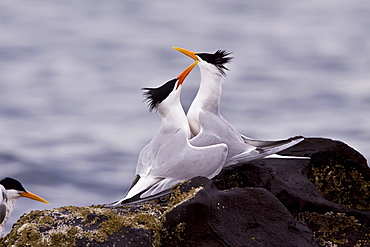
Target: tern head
x=217 y=59
x=169 y=92
x=14 y=190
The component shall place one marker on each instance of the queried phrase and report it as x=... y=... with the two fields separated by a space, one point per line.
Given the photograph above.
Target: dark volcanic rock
x=236 y=217
x=269 y=202
x=328 y=191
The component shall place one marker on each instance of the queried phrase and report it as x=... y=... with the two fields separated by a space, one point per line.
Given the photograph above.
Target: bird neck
x=210 y=88
x=173 y=115
x=208 y=97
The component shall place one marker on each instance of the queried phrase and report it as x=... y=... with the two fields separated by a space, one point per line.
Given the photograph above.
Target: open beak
x=191 y=54
x=33 y=196
x=185 y=73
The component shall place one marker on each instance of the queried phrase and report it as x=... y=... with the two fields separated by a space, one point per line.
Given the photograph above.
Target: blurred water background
x=72 y=121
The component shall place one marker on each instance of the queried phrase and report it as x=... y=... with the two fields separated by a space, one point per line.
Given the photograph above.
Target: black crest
x=11 y=183
x=154 y=96
x=219 y=59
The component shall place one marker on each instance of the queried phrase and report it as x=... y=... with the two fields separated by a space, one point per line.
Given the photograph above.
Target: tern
x=209 y=127
x=169 y=158
x=11 y=190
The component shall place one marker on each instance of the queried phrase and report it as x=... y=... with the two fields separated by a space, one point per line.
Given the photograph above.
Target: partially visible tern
x=206 y=122
x=11 y=190
x=169 y=157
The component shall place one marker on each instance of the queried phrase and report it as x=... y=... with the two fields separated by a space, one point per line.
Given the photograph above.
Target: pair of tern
x=200 y=143
x=11 y=190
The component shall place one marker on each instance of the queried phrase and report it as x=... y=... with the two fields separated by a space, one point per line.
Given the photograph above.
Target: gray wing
x=263 y=152
x=173 y=161
x=265 y=143
x=3 y=200
x=2 y=212
x=191 y=162
x=215 y=129
x=156 y=153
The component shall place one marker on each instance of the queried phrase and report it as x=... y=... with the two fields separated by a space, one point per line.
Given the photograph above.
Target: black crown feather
x=219 y=59
x=11 y=183
x=154 y=96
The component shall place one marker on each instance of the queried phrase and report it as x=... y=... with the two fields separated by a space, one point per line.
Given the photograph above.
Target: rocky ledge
x=322 y=201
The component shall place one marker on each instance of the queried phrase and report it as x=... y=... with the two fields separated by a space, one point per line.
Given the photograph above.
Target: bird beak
x=33 y=196
x=185 y=73
x=191 y=54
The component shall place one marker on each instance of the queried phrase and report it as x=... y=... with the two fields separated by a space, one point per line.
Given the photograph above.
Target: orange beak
x=33 y=196
x=185 y=73
x=191 y=54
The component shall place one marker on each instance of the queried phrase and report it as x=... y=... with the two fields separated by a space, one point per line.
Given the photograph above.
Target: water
x=72 y=121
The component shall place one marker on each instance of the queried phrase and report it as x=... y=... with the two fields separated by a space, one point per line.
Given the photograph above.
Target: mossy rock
x=340 y=181
x=96 y=225
x=76 y=226
x=338 y=228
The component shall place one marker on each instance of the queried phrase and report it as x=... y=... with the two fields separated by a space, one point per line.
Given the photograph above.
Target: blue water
x=72 y=121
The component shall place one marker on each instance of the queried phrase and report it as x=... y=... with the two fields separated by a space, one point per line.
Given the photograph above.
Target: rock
x=270 y=202
x=330 y=192
x=237 y=217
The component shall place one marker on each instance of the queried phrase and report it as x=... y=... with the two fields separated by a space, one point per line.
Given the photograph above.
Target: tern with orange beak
x=11 y=190
x=209 y=127
x=169 y=158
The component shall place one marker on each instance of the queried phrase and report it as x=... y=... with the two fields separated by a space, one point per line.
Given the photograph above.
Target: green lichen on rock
x=343 y=184
x=335 y=229
x=179 y=229
x=177 y=196
x=59 y=227
x=64 y=226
